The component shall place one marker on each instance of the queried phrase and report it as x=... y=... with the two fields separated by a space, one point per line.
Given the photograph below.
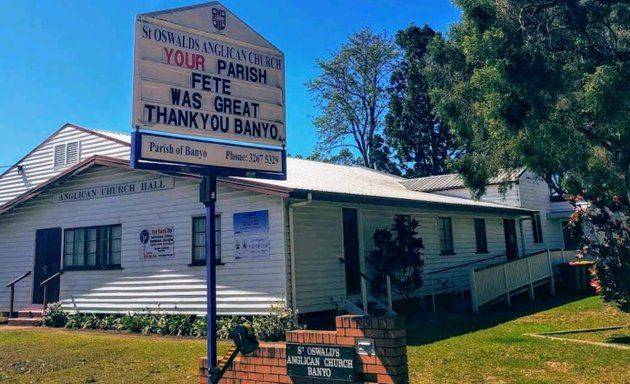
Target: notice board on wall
x=251 y=235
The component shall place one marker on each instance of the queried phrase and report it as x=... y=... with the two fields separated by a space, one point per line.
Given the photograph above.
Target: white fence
x=506 y=279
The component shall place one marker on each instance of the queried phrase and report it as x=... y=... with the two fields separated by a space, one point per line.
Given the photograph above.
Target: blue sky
x=72 y=60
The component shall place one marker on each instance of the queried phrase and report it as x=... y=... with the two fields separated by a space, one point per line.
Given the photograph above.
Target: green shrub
x=273 y=327
x=110 y=322
x=152 y=323
x=75 y=320
x=90 y=321
x=54 y=316
x=225 y=326
x=200 y=327
x=134 y=323
x=397 y=254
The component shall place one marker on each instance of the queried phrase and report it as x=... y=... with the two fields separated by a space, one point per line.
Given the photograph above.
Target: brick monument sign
x=362 y=349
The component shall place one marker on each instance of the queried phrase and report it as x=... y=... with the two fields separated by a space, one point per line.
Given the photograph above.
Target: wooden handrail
x=18 y=279
x=45 y=285
x=352 y=267
x=12 y=294
x=465 y=264
x=50 y=278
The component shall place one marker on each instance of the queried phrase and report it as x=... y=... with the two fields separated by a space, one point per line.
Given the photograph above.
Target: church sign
x=202 y=71
x=329 y=362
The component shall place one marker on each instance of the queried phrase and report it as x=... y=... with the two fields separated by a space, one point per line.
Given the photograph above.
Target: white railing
x=503 y=280
x=455 y=278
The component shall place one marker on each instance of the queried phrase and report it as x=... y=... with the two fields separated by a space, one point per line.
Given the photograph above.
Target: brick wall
x=387 y=366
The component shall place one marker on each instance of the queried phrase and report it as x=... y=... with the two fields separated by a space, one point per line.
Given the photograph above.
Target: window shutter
x=72 y=153
x=60 y=156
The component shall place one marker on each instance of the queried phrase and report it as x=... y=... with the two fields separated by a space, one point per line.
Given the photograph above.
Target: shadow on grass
x=619 y=340
x=424 y=329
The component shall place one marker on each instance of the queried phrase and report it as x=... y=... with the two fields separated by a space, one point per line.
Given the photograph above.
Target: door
x=511 y=246
x=47 y=263
x=351 y=251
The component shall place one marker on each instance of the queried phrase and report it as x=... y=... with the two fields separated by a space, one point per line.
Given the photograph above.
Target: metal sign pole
x=208 y=196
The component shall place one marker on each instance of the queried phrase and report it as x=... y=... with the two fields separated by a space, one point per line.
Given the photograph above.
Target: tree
x=343 y=157
x=422 y=143
x=398 y=256
x=545 y=84
x=605 y=234
x=351 y=92
x=538 y=83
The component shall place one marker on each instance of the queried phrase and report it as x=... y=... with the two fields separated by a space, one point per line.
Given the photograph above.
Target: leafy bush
x=399 y=257
x=176 y=325
x=75 y=320
x=200 y=327
x=273 y=327
x=54 y=316
x=135 y=323
x=91 y=321
x=110 y=322
x=225 y=326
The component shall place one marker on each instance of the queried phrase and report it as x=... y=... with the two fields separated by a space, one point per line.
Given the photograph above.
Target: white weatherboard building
x=132 y=240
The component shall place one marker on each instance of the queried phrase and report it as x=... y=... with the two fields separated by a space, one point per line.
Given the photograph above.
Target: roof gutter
x=292 y=206
x=397 y=202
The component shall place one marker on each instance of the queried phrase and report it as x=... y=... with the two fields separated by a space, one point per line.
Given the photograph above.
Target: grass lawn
x=490 y=348
x=68 y=356
x=614 y=336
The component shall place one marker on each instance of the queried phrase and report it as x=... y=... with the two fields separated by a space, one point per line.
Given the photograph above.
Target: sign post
x=208 y=196
x=201 y=71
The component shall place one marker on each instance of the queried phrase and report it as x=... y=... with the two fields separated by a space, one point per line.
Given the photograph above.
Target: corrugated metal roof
x=314 y=176
x=114 y=135
x=454 y=180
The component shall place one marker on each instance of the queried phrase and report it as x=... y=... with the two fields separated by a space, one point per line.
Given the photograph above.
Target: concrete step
x=27 y=314
x=25 y=322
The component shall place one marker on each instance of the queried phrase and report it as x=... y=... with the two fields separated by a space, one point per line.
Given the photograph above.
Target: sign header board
x=201 y=71
x=158 y=152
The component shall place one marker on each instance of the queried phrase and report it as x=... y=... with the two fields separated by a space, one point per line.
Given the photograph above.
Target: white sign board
x=157 y=242
x=203 y=153
x=251 y=235
x=201 y=71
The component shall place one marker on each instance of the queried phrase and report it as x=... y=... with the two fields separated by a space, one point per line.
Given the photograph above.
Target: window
x=537 y=228
x=66 y=154
x=480 y=236
x=445 y=230
x=92 y=247
x=199 y=240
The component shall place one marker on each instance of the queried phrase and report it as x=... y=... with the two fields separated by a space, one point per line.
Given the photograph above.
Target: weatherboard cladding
x=319 y=245
x=243 y=287
x=534 y=194
x=38 y=165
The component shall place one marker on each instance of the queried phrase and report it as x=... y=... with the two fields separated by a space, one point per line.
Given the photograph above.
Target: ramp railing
x=505 y=279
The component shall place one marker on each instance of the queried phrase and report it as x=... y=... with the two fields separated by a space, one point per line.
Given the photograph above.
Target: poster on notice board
x=157 y=242
x=251 y=235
